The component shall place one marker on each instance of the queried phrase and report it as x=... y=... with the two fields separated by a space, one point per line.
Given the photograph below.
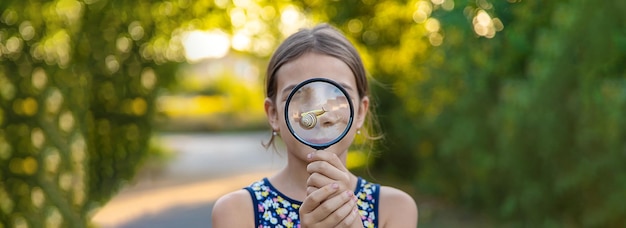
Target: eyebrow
x=346 y=86
x=288 y=89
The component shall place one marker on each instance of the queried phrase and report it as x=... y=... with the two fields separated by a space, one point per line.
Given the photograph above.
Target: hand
x=329 y=207
x=326 y=168
x=330 y=201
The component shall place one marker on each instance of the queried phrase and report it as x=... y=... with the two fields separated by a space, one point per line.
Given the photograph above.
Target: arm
x=233 y=210
x=396 y=208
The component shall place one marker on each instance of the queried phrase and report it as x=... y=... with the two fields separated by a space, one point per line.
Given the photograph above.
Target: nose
x=329 y=119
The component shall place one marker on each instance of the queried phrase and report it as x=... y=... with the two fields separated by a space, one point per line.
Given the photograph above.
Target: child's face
x=314 y=65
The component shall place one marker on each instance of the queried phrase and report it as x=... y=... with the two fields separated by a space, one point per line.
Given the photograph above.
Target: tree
x=78 y=82
x=513 y=108
x=510 y=107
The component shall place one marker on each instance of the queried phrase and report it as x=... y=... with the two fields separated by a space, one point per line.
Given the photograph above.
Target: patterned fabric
x=273 y=209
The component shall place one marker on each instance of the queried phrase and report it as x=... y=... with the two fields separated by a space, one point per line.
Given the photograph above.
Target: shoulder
x=229 y=210
x=396 y=208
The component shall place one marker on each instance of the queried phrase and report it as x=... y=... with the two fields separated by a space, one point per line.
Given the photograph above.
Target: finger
x=328 y=170
x=329 y=157
x=318 y=180
x=335 y=209
x=310 y=190
x=352 y=217
x=344 y=215
x=314 y=199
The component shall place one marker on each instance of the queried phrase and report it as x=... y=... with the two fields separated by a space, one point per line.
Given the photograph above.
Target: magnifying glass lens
x=319 y=113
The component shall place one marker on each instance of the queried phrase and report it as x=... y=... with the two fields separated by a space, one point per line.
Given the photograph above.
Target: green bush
x=511 y=108
x=77 y=87
x=527 y=125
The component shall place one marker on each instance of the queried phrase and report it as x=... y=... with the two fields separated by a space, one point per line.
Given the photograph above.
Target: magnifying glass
x=319 y=113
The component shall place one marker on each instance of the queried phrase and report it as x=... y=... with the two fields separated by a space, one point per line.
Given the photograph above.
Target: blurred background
x=495 y=113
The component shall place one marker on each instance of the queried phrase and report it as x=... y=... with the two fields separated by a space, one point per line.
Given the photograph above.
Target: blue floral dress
x=273 y=209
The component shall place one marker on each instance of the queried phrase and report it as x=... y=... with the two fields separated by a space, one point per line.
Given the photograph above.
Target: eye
x=336 y=90
x=298 y=93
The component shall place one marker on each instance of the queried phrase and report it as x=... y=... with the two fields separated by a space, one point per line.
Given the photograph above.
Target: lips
x=319 y=141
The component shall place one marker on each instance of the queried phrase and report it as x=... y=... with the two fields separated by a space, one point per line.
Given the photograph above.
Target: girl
x=315 y=189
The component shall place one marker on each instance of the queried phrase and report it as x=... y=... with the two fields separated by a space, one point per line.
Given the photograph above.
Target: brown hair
x=323 y=39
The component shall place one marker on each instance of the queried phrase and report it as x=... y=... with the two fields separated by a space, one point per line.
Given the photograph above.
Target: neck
x=291 y=180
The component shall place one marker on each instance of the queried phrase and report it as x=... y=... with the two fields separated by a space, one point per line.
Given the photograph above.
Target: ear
x=361 y=113
x=272 y=114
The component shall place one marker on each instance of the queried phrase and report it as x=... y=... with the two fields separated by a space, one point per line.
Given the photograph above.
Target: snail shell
x=308 y=120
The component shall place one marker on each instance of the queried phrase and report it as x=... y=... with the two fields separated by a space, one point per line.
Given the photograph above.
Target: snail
x=309 y=119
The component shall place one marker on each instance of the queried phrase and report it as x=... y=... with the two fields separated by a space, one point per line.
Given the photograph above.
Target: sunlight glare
x=422 y=12
x=432 y=25
x=437 y=2
x=201 y=45
x=241 y=41
x=291 y=19
x=289 y=15
x=238 y=17
x=484 y=24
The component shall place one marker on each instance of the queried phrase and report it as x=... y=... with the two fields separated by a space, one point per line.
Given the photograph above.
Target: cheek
x=359 y=115
x=347 y=140
x=281 y=120
x=350 y=135
x=282 y=123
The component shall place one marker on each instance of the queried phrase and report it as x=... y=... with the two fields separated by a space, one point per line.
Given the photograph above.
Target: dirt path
x=182 y=191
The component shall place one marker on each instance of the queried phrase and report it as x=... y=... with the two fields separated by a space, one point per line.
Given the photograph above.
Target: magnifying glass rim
x=319 y=146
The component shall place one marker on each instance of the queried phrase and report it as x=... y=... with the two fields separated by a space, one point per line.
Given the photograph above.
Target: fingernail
x=348 y=193
x=309 y=156
x=335 y=186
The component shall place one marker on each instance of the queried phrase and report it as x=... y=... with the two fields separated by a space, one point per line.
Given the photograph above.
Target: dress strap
x=367 y=201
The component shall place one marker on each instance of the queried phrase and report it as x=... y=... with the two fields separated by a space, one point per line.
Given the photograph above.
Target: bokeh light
x=507 y=87
x=200 y=45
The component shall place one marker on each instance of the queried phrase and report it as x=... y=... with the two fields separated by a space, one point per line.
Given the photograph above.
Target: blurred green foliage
x=224 y=94
x=78 y=81
x=78 y=87
x=513 y=108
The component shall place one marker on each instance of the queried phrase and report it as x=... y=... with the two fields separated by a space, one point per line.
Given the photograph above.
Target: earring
x=358 y=131
x=274 y=133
